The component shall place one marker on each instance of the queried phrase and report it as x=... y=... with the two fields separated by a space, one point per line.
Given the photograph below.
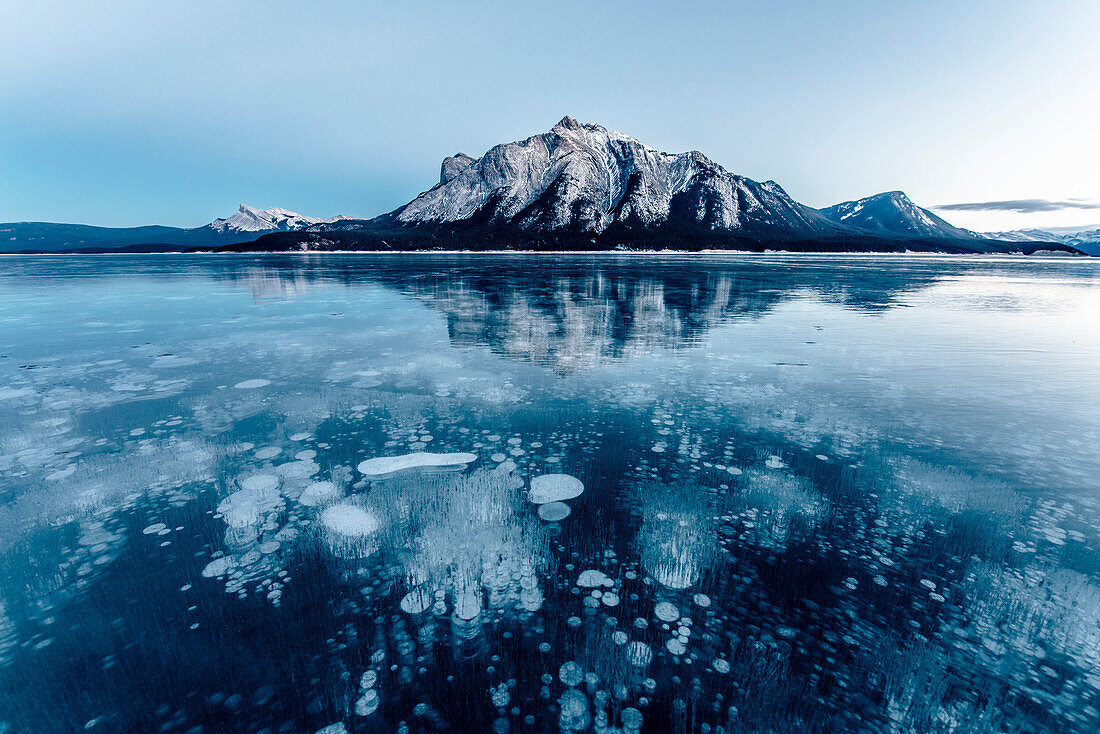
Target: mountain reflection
x=576 y=312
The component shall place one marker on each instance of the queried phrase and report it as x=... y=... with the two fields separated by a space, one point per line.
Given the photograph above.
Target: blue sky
x=125 y=113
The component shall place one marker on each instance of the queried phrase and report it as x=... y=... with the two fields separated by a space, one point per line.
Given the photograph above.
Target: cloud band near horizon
x=1023 y=206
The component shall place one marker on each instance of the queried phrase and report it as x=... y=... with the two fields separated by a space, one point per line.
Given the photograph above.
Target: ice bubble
x=350 y=520
x=252 y=384
x=258 y=482
x=639 y=654
x=297 y=469
x=269 y=452
x=219 y=567
x=554 y=511
x=300 y=436
x=590 y=579
x=416 y=601
x=702 y=600
x=571 y=674
x=154 y=528
x=317 y=493
x=337 y=728
x=555 y=488
x=384 y=465
x=675 y=647
x=666 y=611
x=248 y=506
x=774 y=462
x=367 y=703
x=721 y=665
x=468 y=604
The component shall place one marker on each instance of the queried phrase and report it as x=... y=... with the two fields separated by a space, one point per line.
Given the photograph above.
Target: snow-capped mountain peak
x=583 y=177
x=892 y=212
x=251 y=219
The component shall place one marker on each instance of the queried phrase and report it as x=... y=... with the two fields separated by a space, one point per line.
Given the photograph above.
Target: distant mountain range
x=244 y=226
x=578 y=186
x=1086 y=239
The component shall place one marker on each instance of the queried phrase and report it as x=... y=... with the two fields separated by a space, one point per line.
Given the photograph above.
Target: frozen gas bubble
x=247 y=507
x=639 y=654
x=822 y=457
x=349 y=520
x=498 y=457
x=384 y=465
x=337 y=728
x=666 y=611
x=154 y=528
x=219 y=567
x=305 y=455
x=367 y=703
x=676 y=647
x=721 y=665
x=368 y=679
x=702 y=600
x=297 y=469
x=416 y=601
x=258 y=482
x=619 y=637
x=252 y=384
x=269 y=452
x=774 y=462
x=302 y=436
x=571 y=674
x=318 y=493
x=554 y=511
x=555 y=488
x=468 y=604
x=591 y=578
x=632 y=719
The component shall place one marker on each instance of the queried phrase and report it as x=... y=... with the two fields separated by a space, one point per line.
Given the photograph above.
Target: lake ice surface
x=520 y=493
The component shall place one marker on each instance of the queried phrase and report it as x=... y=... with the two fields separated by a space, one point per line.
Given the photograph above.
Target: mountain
x=584 y=187
x=250 y=219
x=244 y=226
x=893 y=213
x=588 y=179
x=1086 y=239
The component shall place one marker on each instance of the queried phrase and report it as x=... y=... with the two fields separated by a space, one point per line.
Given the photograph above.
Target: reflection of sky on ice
x=809 y=500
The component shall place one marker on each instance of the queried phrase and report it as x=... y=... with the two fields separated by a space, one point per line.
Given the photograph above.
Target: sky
x=124 y=113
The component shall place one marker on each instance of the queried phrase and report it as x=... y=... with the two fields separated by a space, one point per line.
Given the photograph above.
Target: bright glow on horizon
x=126 y=112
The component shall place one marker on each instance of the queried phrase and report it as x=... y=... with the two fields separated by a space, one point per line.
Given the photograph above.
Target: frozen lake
x=518 y=493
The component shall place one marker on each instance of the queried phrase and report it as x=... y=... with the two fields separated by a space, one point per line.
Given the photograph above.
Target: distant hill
x=244 y=226
x=893 y=213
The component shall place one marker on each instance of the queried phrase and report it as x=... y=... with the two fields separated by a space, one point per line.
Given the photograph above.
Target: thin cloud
x=1024 y=206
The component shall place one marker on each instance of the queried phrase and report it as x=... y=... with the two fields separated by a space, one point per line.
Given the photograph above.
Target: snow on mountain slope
x=250 y=219
x=892 y=212
x=1085 y=239
x=584 y=177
